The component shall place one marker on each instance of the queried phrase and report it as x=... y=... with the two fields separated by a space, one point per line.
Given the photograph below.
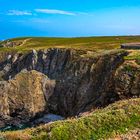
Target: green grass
x=115 y=119
x=88 y=43
x=133 y=55
x=81 y=43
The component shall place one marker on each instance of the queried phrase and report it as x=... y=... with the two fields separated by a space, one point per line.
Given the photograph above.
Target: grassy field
x=133 y=55
x=86 y=43
x=81 y=43
x=118 y=118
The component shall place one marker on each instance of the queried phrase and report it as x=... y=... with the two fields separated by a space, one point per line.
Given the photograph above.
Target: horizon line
x=69 y=36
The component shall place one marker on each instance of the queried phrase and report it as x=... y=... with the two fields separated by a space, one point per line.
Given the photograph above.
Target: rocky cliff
x=77 y=81
x=24 y=97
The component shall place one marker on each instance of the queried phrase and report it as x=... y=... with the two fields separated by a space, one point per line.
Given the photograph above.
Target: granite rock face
x=127 y=80
x=80 y=80
x=24 y=97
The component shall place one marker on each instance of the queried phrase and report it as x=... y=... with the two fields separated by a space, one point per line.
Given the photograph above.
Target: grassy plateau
x=86 y=43
x=80 y=43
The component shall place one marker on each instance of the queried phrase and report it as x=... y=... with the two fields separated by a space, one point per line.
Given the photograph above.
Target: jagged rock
x=127 y=79
x=24 y=97
x=11 y=43
x=14 y=43
x=78 y=83
x=82 y=82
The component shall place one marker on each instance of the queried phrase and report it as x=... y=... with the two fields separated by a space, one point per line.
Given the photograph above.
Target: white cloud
x=54 y=11
x=18 y=13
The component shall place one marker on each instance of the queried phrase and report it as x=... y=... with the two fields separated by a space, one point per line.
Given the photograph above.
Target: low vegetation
x=81 y=43
x=86 y=43
x=133 y=55
x=111 y=121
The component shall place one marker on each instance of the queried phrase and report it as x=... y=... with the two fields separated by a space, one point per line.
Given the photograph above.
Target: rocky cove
x=65 y=82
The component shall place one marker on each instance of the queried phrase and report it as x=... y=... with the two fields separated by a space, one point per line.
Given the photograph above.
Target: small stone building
x=130 y=46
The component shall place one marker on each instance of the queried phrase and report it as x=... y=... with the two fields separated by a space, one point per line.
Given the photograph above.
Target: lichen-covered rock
x=24 y=97
x=127 y=80
x=4 y=106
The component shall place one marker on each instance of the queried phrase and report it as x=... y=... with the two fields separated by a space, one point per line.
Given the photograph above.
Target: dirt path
x=25 y=41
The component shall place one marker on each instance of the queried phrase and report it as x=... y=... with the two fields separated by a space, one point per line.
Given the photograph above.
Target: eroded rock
x=24 y=97
x=83 y=80
x=127 y=80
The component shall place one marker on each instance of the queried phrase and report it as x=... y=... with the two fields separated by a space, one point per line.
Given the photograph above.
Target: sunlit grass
x=83 y=43
x=115 y=119
x=88 y=43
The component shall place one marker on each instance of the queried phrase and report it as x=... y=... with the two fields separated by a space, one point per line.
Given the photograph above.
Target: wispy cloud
x=54 y=11
x=18 y=13
x=45 y=11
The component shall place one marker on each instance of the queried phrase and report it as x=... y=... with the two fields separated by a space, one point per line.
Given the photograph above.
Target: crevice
x=81 y=83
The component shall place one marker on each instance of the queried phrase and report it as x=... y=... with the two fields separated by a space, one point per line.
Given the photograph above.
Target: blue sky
x=69 y=18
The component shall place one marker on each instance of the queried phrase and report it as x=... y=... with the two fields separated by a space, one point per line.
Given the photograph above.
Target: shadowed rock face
x=81 y=82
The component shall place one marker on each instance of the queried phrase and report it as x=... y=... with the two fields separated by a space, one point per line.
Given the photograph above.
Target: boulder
x=24 y=97
x=127 y=80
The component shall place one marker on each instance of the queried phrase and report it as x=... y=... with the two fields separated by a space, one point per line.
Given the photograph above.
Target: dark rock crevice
x=76 y=82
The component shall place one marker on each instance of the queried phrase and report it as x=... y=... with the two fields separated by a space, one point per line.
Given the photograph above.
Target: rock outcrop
x=11 y=44
x=127 y=80
x=24 y=97
x=80 y=80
